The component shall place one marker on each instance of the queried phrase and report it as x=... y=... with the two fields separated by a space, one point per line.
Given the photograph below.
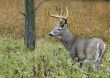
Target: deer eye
x=59 y=29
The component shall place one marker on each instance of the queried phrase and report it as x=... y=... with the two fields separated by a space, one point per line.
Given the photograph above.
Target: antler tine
x=67 y=13
x=61 y=14
x=56 y=16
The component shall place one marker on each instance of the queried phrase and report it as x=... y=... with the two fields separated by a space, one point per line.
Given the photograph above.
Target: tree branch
x=22 y=13
x=40 y=4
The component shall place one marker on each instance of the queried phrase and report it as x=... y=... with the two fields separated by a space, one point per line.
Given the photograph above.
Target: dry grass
x=86 y=19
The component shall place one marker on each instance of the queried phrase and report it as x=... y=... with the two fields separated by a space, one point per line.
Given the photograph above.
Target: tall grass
x=50 y=61
x=86 y=19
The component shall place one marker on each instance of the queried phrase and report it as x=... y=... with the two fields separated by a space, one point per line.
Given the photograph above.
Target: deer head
x=62 y=25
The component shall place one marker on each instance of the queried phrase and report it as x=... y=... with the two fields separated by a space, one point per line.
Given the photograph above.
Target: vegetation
x=51 y=61
x=95 y=0
x=86 y=19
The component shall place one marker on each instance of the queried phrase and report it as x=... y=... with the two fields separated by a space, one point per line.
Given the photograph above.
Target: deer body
x=83 y=48
x=89 y=50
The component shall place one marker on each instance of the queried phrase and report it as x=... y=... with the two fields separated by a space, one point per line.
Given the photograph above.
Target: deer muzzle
x=50 y=34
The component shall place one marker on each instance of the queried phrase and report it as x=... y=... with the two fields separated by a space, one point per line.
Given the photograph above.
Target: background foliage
x=86 y=19
x=51 y=61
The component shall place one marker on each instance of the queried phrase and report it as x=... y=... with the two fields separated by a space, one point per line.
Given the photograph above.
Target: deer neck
x=67 y=39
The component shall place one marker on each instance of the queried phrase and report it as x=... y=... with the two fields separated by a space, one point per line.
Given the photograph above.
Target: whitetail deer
x=81 y=50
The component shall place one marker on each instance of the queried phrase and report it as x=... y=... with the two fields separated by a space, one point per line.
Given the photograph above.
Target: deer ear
x=65 y=26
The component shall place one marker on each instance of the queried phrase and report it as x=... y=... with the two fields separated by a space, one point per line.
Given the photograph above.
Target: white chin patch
x=59 y=37
x=52 y=33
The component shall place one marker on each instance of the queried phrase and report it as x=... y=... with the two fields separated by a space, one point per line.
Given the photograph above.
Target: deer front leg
x=74 y=57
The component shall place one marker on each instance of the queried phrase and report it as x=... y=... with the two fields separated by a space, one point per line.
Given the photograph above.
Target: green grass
x=50 y=60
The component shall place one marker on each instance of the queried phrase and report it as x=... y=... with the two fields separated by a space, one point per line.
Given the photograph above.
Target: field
x=86 y=19
x=50 y=61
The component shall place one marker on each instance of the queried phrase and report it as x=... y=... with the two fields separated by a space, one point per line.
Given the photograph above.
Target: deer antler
x=60 y=16
x=67 y=13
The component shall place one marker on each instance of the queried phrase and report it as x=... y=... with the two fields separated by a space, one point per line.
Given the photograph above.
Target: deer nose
x=50 y=34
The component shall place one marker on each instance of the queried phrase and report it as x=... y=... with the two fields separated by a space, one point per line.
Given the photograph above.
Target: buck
x=81 y=50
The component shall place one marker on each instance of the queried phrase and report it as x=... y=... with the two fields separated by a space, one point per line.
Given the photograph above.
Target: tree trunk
x=29 y=37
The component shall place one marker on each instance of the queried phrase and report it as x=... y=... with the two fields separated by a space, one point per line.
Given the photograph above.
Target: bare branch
x=40 y=4
x=22 y=13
